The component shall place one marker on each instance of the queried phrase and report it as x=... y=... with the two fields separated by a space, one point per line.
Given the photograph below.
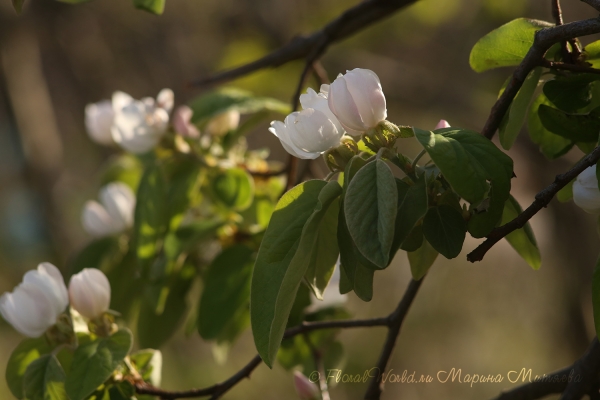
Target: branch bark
x=541 y=200
x=348 y=23
x=593 y=3
x=544 y=39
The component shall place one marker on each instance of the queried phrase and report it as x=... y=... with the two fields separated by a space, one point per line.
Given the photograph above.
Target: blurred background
x=486 y=318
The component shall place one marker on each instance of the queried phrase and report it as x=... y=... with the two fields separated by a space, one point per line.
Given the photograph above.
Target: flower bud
x=138 y=125
x=383 y=135
x=35 y=305
x=304 y=387
x=89 y=292
x=338 y=157
x=223 y=123
x=585 y=191
x=182 y=122
x=98 y=121
x=113 y=214
x=306 y=134
x=442 y=124
x=357 y=100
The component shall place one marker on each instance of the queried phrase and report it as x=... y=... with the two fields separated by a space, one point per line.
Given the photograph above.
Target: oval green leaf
x=522 y=240
x=45 y=380
x=233 y=188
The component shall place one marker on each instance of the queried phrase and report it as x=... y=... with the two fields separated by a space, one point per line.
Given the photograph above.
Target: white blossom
x=98 y=121
x=222 y=123
x=357 y=100
x=113 y=214
x=585 y=191
x=89 y=292
x=36 y=303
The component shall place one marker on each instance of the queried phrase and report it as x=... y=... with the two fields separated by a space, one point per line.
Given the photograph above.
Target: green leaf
x=233 y=188
x=412 y=206
x=551 y=145
x=125 y=168
x=186 y=237
x=468 y=161
x=592 y=51
x=325 y=252
x=154 y=6
x=226 y=294
x=515 y=116
x=45 y=380
x=575 y=127
x=445 y=229
x=596 y=297
x=506 y=45
x=572 y=92
x=354 y=274
x=148 y=363
x=26 y=352
x=150 y=212
x=229 y=99
x=18 y=5
x=164 y=307
x=183 y=190
x=370 y=207
x=421 y=260
x=522 y=240
x=283 y=259
x=99 y=254
x=94 y=363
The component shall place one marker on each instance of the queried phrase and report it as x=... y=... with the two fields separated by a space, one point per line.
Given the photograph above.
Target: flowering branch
x=393 y=322
x=541 y=200
x=348 y=23
x=573 y=382
x=544 y=39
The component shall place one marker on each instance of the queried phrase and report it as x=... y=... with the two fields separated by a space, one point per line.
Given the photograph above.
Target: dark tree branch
x=348 y=23
x=544 y=39
x=396 y=319
x=541 y=200
x=570 y=67
x=558 y=20
x=593 y=3
x=574 y=382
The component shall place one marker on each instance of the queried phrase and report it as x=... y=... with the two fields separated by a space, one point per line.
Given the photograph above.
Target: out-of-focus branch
x=544 y=39
x=348 y=23
x=541 y=200
x=396 y=319
x=573 y=382
x=593 y=3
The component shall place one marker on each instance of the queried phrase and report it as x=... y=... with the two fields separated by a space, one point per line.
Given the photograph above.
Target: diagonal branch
x=348 y=23
x=541 y=200
x=593 y=3
x=544 y=39
x=574 y=381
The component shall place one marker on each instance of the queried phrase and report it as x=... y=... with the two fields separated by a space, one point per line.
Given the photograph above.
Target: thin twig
x=347 y=24
x=396 y=319
x=574 y=381
x=558 y=19
x=220 y=389
x=320 y=368
x=570 y=67
x=541 y=200
x=544 y=39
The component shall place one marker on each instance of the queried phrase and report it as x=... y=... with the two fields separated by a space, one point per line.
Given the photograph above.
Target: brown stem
x=570 y=67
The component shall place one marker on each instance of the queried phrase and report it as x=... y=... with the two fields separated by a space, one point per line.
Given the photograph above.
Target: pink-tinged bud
x=35 y=305
x=304 y=387
x=442 y=124
x=182 y=122
x=357 y=100
x=89 y=292
x=585 y=191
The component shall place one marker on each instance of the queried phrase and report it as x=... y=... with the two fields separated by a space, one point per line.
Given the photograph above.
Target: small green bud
x=338 y=157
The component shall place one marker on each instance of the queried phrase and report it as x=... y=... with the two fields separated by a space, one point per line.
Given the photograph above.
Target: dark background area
x=486 y=318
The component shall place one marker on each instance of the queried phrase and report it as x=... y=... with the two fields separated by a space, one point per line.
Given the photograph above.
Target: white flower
x=222 y=123
x=585 y=191
x=140 y=124
x=331 y=296
x=166 y=100
x=442 y=124
x=36 y=303
x=304 y=387
x=357 y=100
x=182 y=124
x=113 y=214
x=98 y=121
x=89 y=292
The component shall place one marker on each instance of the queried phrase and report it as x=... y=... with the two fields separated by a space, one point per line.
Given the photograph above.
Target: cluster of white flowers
x=352 y=104
x=135 y=125
x=36 y=304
